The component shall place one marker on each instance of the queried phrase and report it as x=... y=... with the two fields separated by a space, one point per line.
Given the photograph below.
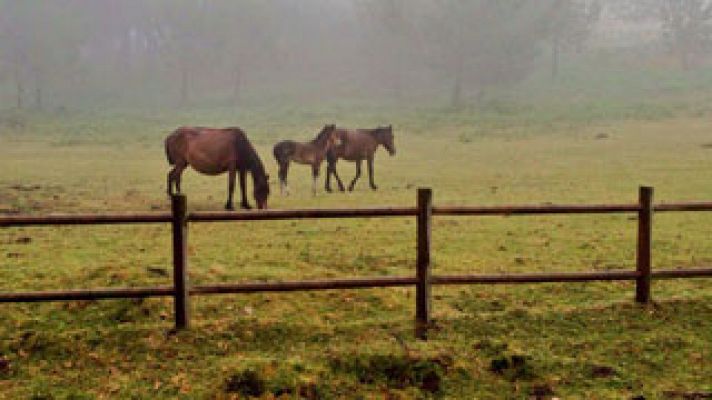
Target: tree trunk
x=398 y=76
x=20 y=89
x=456 y=97
x=237 y=85
x=125 y=53
x=38 y=91
x=684 y=54
x=555 y=50
x=184 y=85
x=38 y=97
x=398 y=86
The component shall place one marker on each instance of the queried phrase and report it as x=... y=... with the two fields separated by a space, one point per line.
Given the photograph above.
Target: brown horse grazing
x=214 y=151
x=357 y=145
x=310 y=153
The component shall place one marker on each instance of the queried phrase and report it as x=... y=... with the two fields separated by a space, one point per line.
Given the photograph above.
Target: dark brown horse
x=309 y=153
x=214 y=151
x=357 y=145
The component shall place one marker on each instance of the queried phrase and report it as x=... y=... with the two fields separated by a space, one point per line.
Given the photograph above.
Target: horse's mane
x=375 y=131
x=324 y=134
x=247 y=152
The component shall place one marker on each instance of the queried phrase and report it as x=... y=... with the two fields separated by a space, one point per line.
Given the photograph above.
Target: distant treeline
x=168 y=53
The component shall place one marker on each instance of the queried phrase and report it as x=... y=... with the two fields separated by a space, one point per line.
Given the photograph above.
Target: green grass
x=554 y=340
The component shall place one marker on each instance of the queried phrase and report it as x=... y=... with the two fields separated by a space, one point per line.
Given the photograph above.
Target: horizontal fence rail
x=84 y=219
x=537 y=209
x=692 y=206
x=331 y=284
x=86 y=294
x=265 y=215
x=337 y=213
x=181 y=290
x=354 y=283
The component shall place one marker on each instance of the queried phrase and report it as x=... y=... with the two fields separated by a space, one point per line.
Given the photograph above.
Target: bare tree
x=391 y=33
x=685 y=25
x=571 y=24
x=486 y=43
x=41 y=43
x=13 y=56
x=687 y=28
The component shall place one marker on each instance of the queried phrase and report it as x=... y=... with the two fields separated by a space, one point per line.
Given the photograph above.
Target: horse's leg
x=169 y=181
x=243 y=191
x=283 y=169
x=281 y=179
x=230 y=189
x=327 y=181
x=369 y=162
x=315 y=176
x=358 y=174
x=174 y=178
x=178 y=174
x=336 y=175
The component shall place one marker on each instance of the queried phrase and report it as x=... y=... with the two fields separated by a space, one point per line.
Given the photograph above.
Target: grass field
x=550 y=340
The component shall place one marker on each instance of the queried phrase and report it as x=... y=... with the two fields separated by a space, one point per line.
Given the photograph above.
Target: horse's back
x=354 y=144
x=208 y=150
x=284 y=150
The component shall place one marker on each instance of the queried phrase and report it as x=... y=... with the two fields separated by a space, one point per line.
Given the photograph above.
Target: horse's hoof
x=246 y=206
x=374 y=187
x=229 y=207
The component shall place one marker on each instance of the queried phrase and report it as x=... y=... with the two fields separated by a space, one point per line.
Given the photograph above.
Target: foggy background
x=65 y=55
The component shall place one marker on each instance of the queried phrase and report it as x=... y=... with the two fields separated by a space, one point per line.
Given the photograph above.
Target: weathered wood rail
x=181 y=290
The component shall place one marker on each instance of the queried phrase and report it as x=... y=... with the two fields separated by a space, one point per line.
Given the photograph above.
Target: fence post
x=180 y=260
x=645 y=231
x=422 y=288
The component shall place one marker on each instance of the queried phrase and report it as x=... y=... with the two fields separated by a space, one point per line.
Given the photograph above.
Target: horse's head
x=328 y=135
x=384 y=134
x=261 y=191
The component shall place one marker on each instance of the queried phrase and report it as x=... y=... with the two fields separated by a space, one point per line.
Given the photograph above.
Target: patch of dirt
x=398 y=372
x=19 y=198
x=25 y=188
x=602 y=371
x=706 y=145
x=687 y=395
x=157 y=271
x=513 y=368
x=23 y=240
x=245 y=383
x=4 y=366
x=541 y=391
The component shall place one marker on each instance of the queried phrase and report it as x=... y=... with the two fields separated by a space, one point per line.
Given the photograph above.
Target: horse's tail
x=170 y=159
x=283 y=151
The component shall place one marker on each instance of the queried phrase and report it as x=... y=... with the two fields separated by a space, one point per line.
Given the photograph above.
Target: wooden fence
x=181 y=290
